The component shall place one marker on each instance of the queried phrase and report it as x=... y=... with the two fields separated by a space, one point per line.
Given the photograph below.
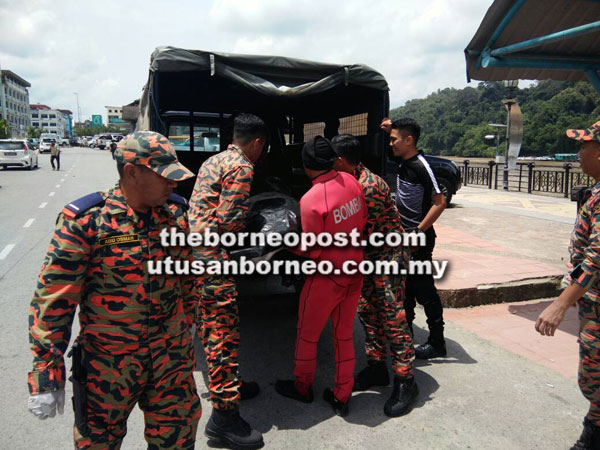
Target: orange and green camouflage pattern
x=589 y=356
x=153 y=150
x=381 y=305
x=219 y=202
x=129 y=319
x=591 y=134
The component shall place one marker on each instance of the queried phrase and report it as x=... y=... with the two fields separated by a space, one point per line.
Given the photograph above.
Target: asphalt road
x=480 y=397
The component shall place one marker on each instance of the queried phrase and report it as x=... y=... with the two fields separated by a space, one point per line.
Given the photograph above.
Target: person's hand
x=386 y=125
x=550 y=319
x=46 y=404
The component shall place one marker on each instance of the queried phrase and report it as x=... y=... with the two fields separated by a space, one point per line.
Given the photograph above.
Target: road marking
x=28 y=223
x=6 y=251
x=62 y=179
x=43 y=205
x=51 y=194
x=58 y=185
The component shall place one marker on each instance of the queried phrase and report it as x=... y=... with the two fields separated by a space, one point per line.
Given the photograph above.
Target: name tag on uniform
x=120 y=239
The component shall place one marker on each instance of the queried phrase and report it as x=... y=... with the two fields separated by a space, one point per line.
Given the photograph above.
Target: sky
x=101 y=50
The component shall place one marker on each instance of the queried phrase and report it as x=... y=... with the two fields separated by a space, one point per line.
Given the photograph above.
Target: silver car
x=16 y=153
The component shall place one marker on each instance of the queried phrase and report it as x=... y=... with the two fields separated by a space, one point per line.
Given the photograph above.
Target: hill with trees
x=455 y=121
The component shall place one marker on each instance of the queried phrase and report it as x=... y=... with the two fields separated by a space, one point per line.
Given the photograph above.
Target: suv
x=16 y=153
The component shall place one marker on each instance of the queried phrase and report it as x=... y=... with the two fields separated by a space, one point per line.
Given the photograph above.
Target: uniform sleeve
x=54 y=303
x=191 y=295
x=312 y=222
x=589 y=275
x=233 y=202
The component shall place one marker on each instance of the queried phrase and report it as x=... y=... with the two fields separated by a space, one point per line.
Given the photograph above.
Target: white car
x=45 y=144
x=16 y=153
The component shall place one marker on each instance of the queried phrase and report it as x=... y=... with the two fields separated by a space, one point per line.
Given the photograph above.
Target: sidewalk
x=502 y=246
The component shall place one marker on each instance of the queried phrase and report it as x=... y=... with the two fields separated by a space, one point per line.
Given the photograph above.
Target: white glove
x=46 y=404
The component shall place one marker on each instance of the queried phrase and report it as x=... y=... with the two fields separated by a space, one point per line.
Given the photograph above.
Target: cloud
x=102 y=49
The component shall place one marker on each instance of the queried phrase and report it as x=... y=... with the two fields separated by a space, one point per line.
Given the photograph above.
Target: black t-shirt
x=415 y=186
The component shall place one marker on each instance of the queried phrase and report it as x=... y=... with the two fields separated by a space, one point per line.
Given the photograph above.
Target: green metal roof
x=537 y=39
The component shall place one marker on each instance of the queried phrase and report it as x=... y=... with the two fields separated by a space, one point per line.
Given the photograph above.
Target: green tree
x=33 y=132
x=4 y=129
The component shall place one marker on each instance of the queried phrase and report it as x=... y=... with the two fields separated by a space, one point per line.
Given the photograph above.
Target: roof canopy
x=537 y=39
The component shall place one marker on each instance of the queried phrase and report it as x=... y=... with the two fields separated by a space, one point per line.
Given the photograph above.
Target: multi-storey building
x=14 y=102
x=48 y=119
x=68 y=115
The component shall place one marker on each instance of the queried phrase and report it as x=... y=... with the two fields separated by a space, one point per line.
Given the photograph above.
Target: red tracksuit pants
x=322 y=297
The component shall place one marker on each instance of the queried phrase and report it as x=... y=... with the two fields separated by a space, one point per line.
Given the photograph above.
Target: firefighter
x=334 y=204
x=134 y=345
x=219 y=203
x=583 y=287
x=381 y=308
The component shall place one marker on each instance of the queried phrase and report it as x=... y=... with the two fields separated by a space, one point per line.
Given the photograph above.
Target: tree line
x=455 y=121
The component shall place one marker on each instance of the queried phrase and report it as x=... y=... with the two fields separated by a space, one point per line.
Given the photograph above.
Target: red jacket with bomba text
x=334 y=204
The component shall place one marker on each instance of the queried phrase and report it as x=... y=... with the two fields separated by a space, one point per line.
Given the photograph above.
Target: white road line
x=62 y=179
x=28 y=223
x=6 y=251
x=51 y=194
x=58 y=185
x=43 y=205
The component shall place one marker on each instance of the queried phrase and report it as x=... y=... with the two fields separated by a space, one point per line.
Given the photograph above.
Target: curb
x=514 y=291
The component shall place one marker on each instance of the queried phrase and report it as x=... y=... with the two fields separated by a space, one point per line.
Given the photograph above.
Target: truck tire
x=446 y=188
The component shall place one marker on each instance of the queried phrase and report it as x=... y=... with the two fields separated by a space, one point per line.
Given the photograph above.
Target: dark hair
x=120 y=169
x=408 y=126
x=247 y=127
x=347 y=146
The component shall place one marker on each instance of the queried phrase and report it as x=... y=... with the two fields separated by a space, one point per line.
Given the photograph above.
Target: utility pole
x=78 y=109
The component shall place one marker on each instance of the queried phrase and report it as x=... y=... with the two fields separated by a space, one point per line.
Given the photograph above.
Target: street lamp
x=78 y=110
x=497 y=137
x=511 y=86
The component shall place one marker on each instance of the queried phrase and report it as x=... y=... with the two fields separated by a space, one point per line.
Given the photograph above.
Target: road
x=482 y=396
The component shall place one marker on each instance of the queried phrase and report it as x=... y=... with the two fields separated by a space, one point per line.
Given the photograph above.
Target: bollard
x=530 y=166
x=567 y=184
x=466 y=163
x=491 y=164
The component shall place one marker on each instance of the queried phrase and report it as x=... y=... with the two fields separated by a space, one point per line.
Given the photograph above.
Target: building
x=114 y=115
x=131 y=112
x=14 y=102
x=48 y=119
x=69 y=121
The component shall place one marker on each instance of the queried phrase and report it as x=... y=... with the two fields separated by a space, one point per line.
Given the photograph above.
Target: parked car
x=74 y=141
x=64 y=142
x=46 y=139
x=16 y=153
x=33 y=143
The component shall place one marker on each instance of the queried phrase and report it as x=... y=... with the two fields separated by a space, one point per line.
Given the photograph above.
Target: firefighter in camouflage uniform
x=134 y=344
x=583 y=287
x=219 y=204
x=381 y=306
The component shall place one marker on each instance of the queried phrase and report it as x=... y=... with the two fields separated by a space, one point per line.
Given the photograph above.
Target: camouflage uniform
x=584 y=269
x=219 y=203
x=381 y=306
x=134 y=326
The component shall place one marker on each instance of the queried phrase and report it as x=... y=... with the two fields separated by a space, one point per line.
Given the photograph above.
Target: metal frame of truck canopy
x=285 y=92
x=537 y=39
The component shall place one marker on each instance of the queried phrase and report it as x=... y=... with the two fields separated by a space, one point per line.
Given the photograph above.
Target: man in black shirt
x=420 y=202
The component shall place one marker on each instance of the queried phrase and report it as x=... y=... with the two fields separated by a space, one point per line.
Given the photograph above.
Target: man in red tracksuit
x=334 y=204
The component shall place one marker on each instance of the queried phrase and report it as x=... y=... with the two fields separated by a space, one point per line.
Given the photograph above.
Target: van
x=46 y=139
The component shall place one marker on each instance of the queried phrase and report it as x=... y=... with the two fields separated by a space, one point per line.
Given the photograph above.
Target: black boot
x=404 y=394
x=248 y=390
x=340 y=408
x=375 y=374
x=590 y=437
x=287 y=388
x=435 y=347
x=228 y=428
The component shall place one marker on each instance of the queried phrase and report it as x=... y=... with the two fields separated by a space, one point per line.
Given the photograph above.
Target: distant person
x=583 y=287
x=325 y=296
x=420 y=202
x=54 y=155
x=381 y=305
x=113 y=147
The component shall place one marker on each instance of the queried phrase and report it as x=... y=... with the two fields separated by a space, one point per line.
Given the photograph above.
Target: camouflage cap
x=591 y=134
x=153 y=150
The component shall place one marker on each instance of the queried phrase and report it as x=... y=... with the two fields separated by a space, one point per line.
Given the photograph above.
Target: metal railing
x=527 y=177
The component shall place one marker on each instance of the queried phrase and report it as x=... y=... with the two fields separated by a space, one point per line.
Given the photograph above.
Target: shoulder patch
x=179 y=199
x=82 y=204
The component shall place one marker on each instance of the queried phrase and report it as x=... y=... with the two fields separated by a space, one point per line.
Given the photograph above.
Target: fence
x=553 y=179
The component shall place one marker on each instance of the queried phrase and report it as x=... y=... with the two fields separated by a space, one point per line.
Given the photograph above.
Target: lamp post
x=78 y=110
x=511 y=86
x=497 y=137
